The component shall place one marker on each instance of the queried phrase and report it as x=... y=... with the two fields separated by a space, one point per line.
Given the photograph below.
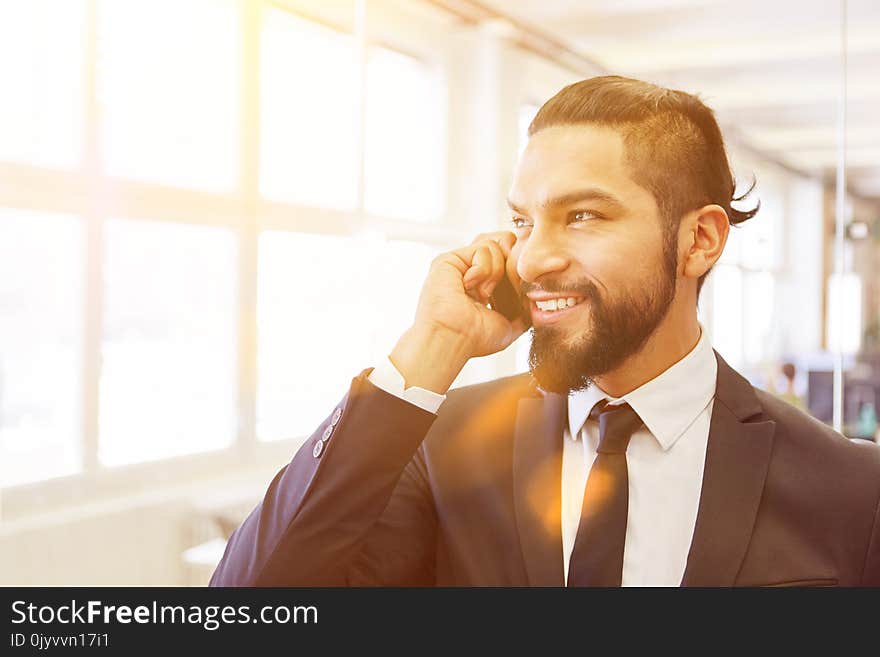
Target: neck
x=674 y=338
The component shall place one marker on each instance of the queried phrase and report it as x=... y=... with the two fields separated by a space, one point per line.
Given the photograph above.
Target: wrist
x=430 y=358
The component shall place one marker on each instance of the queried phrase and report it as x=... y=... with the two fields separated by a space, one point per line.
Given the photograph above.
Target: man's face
x=587 y=232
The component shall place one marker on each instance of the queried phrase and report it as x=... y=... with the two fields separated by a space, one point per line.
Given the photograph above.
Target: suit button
x=336 y=415
x=326 y=435
x=319 y=447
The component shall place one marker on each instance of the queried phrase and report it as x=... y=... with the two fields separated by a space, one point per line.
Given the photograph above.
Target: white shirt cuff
x=389 y=379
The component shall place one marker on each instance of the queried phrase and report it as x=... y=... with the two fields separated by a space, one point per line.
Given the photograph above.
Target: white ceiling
x=770 y=68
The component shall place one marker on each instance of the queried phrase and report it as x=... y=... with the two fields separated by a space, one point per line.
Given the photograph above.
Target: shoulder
x=810 y=439
x=505 y=389
x=482 y=409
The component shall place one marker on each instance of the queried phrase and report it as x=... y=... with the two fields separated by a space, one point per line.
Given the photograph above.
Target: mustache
x=584 y=288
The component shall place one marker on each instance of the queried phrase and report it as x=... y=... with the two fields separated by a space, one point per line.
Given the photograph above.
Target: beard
x=620 y=327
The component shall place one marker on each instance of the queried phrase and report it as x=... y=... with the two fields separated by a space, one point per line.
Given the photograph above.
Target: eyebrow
x=571 y=198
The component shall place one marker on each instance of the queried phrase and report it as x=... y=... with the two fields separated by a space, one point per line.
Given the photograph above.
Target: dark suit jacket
x=471 y=497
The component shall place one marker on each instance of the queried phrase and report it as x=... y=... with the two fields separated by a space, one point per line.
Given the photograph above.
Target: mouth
x=549 y=311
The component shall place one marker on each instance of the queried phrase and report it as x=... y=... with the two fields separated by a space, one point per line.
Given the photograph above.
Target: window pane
x=727 y=312
x=843 y=325
x=398 y=270
x=405 y=121
x=41 y=302
x=759 y=338
x=328 y=307
x=308 y=113
x=168 y=355
x=314 y=328
x=41 y=69
x=169 y=91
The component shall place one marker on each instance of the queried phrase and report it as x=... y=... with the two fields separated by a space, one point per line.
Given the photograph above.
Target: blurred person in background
x=629 y=454
x=788 y=393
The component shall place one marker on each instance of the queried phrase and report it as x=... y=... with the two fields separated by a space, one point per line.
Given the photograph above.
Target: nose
x=541 y=252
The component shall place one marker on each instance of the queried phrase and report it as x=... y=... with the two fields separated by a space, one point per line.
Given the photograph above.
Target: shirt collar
x=668 y=404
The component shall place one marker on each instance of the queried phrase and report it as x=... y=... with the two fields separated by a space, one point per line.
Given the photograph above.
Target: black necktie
x=597 y=557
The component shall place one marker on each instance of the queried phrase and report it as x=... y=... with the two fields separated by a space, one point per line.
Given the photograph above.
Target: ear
x=703 y=233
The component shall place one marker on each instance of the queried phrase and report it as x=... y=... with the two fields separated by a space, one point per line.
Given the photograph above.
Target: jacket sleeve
x=355 y=509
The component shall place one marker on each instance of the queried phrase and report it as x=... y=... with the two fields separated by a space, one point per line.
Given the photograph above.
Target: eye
x=520 y=222
x=580 y=216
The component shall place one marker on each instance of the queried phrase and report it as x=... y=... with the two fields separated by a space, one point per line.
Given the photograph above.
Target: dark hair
x=674 y=146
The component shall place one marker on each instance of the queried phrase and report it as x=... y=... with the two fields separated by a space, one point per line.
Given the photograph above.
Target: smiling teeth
x=557 y=304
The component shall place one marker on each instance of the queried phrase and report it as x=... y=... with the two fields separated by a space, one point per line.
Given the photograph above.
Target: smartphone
x=506 y=301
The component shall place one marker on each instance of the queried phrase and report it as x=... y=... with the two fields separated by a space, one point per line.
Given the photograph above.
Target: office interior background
x=215 y=213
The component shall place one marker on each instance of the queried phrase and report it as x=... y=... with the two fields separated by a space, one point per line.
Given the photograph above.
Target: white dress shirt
x=665 y=460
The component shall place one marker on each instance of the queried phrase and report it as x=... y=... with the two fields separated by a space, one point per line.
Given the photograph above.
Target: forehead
x=563 y=159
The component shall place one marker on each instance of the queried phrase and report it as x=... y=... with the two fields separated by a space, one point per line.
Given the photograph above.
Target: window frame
x=88 y=193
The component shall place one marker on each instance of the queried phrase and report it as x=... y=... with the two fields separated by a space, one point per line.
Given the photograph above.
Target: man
x=630 y=454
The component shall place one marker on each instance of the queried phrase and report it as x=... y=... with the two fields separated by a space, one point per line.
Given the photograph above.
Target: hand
x=453 y=322
x=457 y=290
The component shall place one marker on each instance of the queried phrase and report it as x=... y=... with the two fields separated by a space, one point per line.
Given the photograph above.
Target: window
x=398 y=271
x=308 y=113
x=41 y=69
x=758 y=295
x=167 y=303
x=310 y=328
x=844 y=316
x=168 y=76
x=327 y=307
x=168 y=351
x=404 y=148
x=41 y=302
x=743 y=287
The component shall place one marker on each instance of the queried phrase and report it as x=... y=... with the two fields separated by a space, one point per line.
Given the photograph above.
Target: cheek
x=602 y=258
x=616 y=263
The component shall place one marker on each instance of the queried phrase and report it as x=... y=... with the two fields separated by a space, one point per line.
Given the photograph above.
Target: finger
x=489 y=264
x=504 y=238
x=498 y=267
x=481 y=266
x=460 y=259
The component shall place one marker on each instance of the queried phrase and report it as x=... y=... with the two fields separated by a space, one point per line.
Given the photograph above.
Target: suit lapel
x=737 y=459
x=537 y=486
